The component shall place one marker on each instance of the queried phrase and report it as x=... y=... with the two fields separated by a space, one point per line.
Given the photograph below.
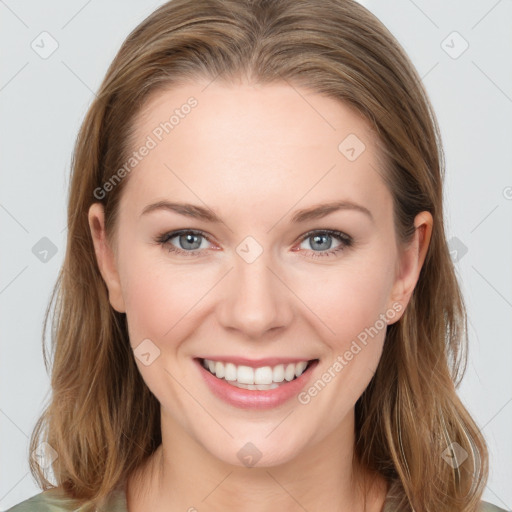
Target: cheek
x=161 y=296
x=354 y=306
x=160 y=299
x=348 y=299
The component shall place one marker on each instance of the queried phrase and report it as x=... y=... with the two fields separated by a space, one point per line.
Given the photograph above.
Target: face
x=254 y=272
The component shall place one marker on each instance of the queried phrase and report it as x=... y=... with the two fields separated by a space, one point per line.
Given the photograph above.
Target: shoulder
x=489 y=507
x=391 y=505
x=46 y=501
x=52 y=500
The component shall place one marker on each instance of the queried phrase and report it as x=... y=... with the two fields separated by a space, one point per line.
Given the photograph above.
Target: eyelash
x=346 y=241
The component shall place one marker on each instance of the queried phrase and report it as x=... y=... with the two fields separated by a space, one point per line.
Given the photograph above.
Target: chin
x=260 y=450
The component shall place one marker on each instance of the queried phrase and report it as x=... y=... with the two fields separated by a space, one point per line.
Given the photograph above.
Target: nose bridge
x=256 y=300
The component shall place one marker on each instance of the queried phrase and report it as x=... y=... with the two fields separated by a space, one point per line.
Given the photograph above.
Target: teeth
x=219 y=370
x=289 y=373
x=229 y=371
x=300 y=367
x=259 y=387
x=245 y=375
x=278 y=373
x=265 y=377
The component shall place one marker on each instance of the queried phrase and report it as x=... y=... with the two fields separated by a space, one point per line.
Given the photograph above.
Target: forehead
x=251 y=143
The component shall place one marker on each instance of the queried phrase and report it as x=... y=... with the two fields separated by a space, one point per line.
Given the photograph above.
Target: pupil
x=318 y=239
x=189 y=239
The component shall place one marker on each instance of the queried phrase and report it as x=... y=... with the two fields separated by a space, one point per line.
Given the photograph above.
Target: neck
x=182 y=476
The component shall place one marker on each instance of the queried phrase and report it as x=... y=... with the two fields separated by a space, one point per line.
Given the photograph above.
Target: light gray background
x=42 y=102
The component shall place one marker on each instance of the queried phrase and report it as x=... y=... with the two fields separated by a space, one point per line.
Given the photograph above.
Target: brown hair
x=102 y=419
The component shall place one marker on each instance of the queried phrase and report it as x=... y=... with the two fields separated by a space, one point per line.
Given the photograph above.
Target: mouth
x=262 y=384
x=257 y=377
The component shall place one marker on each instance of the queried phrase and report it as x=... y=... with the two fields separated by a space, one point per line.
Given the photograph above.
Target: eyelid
x=165 y=237
x=173 y=234
x=345 y=241
x=332 y=232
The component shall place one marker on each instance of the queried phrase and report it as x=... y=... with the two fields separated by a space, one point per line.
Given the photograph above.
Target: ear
x=410 y=261
x=105 y=257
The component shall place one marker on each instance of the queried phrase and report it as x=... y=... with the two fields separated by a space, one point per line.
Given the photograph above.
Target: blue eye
x=321 y=242
x=190 y=242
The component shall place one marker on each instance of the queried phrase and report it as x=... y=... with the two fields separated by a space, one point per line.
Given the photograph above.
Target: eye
x=189 y=242
x=186 y=242
x=321 y=242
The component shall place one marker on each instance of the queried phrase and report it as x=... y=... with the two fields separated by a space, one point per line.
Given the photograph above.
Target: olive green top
x=48 y=501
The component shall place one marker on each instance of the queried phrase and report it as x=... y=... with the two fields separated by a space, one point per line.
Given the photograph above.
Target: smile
x=260 y=385
x=259 y=378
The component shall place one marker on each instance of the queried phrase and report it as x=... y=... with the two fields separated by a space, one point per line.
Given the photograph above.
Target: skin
x=255 y=155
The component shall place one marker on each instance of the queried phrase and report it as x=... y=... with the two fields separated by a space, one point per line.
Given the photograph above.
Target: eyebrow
x=314 y=212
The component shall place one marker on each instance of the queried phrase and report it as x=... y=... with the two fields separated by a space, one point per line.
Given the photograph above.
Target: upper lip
x=256 y=363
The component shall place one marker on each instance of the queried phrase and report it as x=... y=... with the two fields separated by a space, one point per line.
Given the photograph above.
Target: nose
x=256 y=301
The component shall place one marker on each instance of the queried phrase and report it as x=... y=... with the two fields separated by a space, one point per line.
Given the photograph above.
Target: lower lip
x=255 y=399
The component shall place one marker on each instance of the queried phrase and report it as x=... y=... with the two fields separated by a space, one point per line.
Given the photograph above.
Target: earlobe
x=105 y=256
x=411 y=260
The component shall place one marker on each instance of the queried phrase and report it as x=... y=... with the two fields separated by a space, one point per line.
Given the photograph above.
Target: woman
x=257 y=308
